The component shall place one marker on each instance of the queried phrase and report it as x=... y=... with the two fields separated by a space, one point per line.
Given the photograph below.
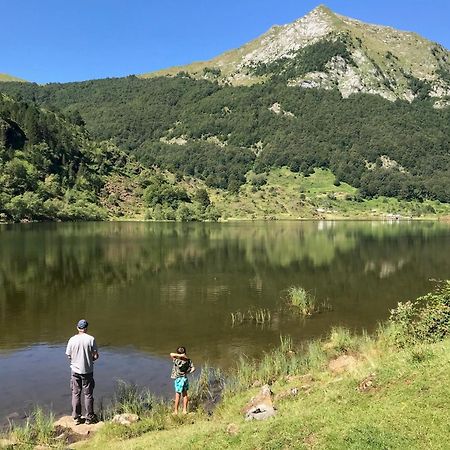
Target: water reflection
x=144 y=284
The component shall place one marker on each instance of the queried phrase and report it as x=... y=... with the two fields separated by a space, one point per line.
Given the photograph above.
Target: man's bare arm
x=95 y=355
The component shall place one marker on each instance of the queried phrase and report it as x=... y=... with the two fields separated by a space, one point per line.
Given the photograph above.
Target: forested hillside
x=49 y=168
x=219 y=132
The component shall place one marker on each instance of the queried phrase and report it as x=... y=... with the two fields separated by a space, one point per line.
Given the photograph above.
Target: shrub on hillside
x=425 y=320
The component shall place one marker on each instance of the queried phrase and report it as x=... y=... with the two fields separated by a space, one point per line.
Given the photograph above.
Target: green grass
x=330 y=411
x=129 y=399
x=38 y=430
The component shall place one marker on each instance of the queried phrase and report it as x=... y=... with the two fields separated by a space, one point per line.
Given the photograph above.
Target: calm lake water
x=147 y=288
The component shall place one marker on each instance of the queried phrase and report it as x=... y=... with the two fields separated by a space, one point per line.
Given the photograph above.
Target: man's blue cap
x=82 y=324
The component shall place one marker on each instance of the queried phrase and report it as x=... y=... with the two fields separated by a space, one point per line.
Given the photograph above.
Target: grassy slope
x=6 y=77
x=407 y=407
x=288 y=195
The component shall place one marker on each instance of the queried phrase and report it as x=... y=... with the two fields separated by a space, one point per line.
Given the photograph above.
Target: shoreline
x=443 y=218
x=328 y=393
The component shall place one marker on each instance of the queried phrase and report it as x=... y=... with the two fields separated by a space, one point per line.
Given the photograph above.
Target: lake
x=146 y=288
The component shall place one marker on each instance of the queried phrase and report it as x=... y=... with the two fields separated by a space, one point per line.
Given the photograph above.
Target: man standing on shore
x=82 y=352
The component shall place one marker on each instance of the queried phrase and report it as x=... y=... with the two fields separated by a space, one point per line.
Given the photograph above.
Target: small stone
x=232 y=429
x=7 y=443
x=343 y=363
x=367 y=384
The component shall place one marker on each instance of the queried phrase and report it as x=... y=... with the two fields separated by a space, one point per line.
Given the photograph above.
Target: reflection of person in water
x=82 y=352
x=182 y=366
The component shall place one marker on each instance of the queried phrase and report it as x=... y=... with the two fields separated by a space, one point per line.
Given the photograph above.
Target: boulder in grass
x=125 y=419
x=343 y=363
x=261 y=406
x=67 y=431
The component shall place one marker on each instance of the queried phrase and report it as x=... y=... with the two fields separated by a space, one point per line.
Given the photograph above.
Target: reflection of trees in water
x=143 y=279
x=71 y=255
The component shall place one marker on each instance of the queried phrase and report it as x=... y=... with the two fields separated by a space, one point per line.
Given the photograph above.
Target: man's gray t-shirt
x=80 y=348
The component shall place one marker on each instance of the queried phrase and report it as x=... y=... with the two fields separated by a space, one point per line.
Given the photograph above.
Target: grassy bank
x=389 y=390
x=386 y=391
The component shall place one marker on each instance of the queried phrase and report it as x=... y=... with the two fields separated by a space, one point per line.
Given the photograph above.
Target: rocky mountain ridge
x=359 y=57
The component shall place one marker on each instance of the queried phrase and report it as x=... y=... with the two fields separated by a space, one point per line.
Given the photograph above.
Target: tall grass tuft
x=341 y=340
x=38 y=430
x=302 y=301
x=280 y=362
x=129 y=399
x=206 y=390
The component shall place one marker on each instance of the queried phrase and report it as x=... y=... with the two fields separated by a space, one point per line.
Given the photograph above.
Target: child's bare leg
x=185 y=401
x=177 y=402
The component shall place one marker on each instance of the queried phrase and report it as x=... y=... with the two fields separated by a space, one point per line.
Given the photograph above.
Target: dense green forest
x=51 y=169
x=217 y=133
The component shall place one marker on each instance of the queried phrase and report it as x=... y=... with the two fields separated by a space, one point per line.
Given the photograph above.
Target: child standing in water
x=182 y=366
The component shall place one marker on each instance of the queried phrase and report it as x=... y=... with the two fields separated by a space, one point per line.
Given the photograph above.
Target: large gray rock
x=261 y=406
x=125 y=419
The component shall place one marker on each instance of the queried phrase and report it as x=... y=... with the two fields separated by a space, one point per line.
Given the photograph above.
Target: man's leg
x=88 y=387
x=75 y=384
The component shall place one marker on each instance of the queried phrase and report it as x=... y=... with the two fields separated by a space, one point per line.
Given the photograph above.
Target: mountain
x=6 y=77
x=326 y=50
x=300 y=97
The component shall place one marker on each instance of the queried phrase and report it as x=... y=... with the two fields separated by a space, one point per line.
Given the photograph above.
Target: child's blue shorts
x=181 y=384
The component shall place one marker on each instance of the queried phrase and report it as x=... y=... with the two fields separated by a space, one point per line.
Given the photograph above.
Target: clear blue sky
x=66 y=40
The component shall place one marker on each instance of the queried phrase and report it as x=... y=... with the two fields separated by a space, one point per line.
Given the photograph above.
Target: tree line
x=227 y=130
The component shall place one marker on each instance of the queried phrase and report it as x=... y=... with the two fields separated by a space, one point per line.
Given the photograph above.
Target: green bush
x=425 y=320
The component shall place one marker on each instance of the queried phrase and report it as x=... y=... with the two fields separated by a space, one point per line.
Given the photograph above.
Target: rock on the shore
x=69 y=432
x=260 y=407
x=125 y=419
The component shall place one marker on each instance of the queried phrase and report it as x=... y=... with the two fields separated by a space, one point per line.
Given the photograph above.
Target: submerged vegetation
x=259 y=316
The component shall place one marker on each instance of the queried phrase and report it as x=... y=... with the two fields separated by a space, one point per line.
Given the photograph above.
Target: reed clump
x=259 y=316
x=128 y=398
x=302 y=301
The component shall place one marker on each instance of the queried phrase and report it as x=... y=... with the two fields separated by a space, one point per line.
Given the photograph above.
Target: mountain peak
x=323 y=9
x=326 y=50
